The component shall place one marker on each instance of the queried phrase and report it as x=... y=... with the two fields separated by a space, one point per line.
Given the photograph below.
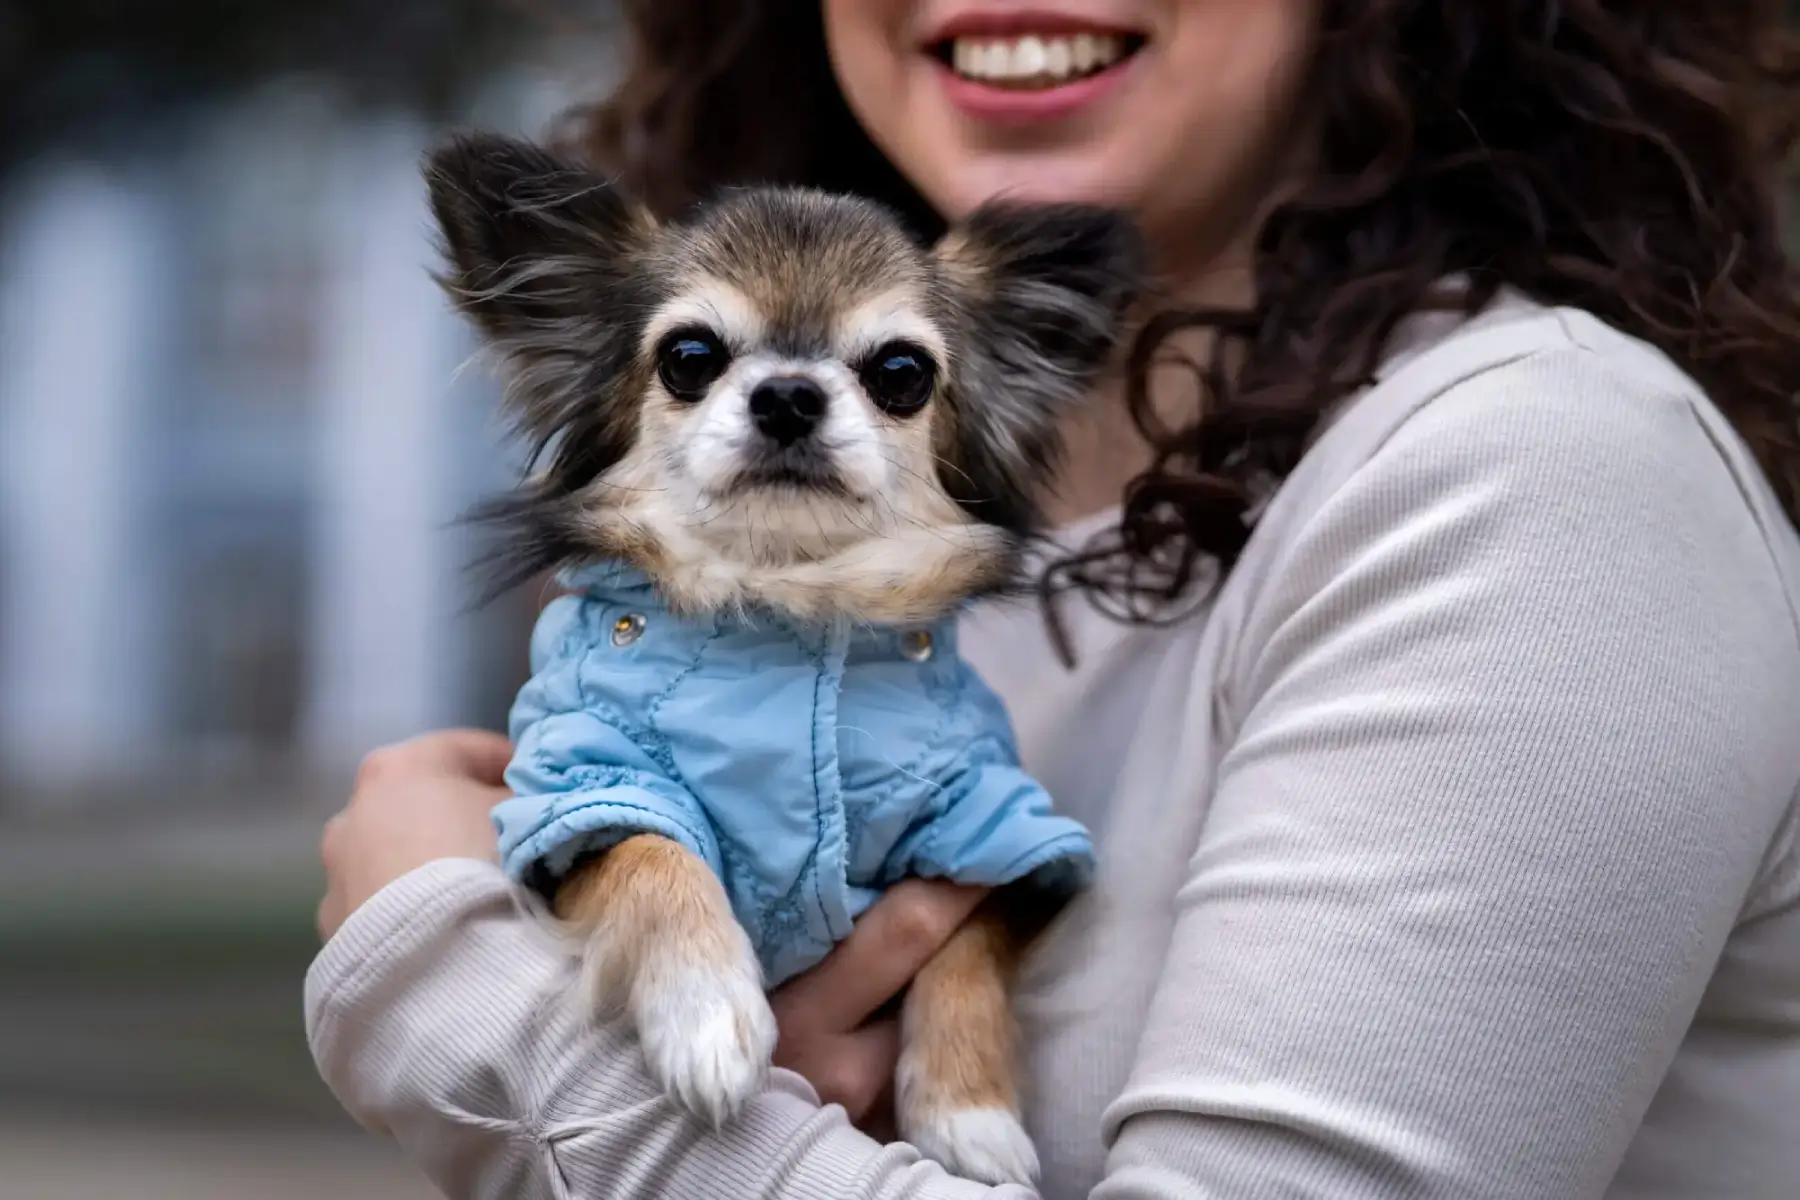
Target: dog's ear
x=1048 y=285
x=532 y=240
x=1044 y=293
x=546 y=258
x=544 y=255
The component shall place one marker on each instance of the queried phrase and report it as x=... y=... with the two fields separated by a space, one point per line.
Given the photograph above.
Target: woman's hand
x=827 y=1034
x=414 y=803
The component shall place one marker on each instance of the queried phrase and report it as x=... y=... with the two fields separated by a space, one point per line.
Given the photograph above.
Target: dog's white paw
x=706 y=1027
x=984 y=1144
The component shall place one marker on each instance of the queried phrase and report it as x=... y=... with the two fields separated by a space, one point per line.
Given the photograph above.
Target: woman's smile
x=1020 y=67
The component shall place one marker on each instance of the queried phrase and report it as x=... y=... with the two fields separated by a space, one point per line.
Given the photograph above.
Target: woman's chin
x=1045 y=182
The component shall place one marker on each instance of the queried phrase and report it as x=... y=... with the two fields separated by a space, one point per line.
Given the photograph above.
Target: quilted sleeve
x=994 y=823
x=582 y=779
x=581 y=784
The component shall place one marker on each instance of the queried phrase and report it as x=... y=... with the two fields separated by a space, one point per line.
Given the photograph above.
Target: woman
x=1435 y=687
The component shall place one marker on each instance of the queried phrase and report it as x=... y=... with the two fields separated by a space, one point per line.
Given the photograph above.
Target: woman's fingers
x=853 y=1069
x=824 y=1015
x=474 y=754
x=414 y=803
x=888 y=946
x=330 y=913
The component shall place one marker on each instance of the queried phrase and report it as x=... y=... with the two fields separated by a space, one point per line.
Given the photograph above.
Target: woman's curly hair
x=1626 y=157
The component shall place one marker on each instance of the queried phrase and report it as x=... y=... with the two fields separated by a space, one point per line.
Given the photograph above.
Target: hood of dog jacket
x=810 y=767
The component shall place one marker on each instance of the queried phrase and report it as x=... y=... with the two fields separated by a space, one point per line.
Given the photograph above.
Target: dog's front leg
x=663 y=947
x=957 y=1087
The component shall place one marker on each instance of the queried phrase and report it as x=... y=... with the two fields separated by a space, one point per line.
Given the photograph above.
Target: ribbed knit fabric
x=1450 y=852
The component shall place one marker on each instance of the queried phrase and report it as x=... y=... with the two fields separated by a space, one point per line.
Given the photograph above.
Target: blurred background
x=233 y=442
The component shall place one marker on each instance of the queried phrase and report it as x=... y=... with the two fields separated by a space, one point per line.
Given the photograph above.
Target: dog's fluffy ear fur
x=1044 y=293
x=518 y=222
x=543 y=255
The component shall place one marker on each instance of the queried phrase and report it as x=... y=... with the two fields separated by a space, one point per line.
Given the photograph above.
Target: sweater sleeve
x=1515 y=742
x=440 y=1014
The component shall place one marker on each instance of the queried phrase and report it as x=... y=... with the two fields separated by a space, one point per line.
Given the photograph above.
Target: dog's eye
x=899 y=378
x=688 y=360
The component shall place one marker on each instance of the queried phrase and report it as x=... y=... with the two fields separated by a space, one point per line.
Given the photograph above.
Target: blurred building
x=234 y=441
x=235 y=436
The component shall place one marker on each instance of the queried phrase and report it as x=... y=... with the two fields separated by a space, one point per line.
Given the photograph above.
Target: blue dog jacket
x=809 y=767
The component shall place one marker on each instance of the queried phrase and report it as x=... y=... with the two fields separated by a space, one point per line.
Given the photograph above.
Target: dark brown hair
x=1622 y=156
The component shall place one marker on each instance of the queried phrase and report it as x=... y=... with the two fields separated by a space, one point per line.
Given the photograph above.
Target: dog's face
x=785 y=399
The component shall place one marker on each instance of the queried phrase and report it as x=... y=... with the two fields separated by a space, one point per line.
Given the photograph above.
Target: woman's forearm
x=441 y=1015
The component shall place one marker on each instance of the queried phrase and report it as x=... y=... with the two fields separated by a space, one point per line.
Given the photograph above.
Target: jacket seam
x=818 y=798
x=654 y=708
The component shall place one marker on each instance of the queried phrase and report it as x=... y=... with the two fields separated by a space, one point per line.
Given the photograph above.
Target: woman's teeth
x=1035 y=61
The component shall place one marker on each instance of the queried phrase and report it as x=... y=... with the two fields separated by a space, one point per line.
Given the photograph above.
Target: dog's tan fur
x=644 y=889
x=915 y=575
x=957 y=1028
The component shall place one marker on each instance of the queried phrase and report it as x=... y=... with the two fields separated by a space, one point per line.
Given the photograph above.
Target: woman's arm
x=442 y=1014
x=1519 y=743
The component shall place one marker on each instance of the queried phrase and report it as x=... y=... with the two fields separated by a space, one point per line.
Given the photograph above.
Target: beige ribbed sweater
x=1449 y=853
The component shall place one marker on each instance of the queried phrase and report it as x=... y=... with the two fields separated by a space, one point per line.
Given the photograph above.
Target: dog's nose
x=787 y=408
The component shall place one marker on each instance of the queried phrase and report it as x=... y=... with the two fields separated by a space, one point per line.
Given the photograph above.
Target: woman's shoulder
x=1528 y=461
x=1552 y=411
x=1553 y=374
x=1531 y=371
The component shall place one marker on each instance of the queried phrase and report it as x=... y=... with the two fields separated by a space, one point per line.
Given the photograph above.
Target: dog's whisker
x=902 y=467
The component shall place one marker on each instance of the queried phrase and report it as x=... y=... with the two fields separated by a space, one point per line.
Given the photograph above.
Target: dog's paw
x=984 y=1144
x=706 y=1027
x=663 y=946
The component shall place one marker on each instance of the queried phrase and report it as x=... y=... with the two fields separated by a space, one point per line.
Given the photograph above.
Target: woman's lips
x=1017 y=23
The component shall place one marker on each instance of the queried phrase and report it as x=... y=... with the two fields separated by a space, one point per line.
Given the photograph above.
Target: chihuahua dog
x=779 y=443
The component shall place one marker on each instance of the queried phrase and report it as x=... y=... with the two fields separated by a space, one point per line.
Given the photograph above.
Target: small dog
x=778 y=445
